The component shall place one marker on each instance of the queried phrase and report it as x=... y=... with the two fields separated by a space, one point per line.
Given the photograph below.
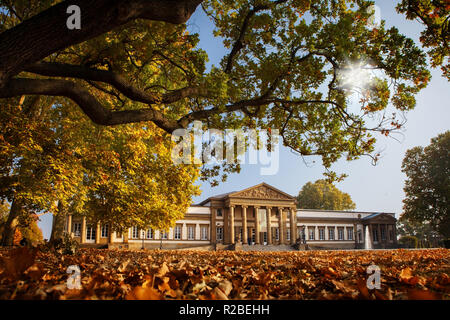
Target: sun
x=355 y=76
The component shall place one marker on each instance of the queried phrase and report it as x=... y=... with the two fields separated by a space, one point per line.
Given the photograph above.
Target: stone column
x=379 y=234
x=69 y=224
x=394 y=231
x=111 y=237
x=269 y=226
x=244 y=225
x=97 y=232
x=83 y=230
x=226 y=226
x=257 y=236
x=125 y=236
x=293 y=223
x=213 y=225
x=232 y=235
x=282 y=226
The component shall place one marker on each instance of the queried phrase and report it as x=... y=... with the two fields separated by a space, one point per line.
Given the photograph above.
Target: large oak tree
x=291 y=65
x=284 y=68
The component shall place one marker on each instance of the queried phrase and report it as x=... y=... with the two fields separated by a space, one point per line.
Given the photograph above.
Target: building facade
x=249 y=219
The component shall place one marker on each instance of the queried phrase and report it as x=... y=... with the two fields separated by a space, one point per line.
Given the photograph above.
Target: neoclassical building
x=255 y=218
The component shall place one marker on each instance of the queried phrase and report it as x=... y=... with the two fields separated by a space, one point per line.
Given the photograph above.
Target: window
x=288 y=234
x=375 y=234
x=149 y=234
x=330 y=233
x=105 y=231
x=204 y=232
x=265 y=237
x=311 y=233
x=177 y=232
x=253 y=235
x=219 y=233
x=191 y=232
x=76 y=229
x=359 y=236
x=219 y=212
x=91 y=232
x=321 y=233
x=349 y=233
x=340 y=233
x=277 y=234
x=164 y=234
x=383 y=233
x=135 y=232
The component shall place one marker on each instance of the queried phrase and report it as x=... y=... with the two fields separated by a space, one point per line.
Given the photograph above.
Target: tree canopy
x=288 y=67
x=325 y=196
x=435 y=16
x=427 y=186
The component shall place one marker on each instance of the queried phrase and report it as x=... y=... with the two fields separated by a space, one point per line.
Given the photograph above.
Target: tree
x=26 y=229
x=427 y=186
x=325 y=196
x=423 y=232
x=282 y=54
x=435 y=15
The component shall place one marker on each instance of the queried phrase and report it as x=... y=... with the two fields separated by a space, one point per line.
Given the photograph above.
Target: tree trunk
x=47 y=32
x=59 y=222
x=9 y=227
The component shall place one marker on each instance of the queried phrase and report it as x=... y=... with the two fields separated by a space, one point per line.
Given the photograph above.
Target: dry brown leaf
x=140 y=293
x=219 y=294
x=226 y=286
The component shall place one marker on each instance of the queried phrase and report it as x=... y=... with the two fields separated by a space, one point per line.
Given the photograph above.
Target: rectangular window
x=149 y=234
x=91 y=232
x=311 y=233
x=340 y=233
x=349 y=233
x=164 y=235
x=135 y=232
x=76 y=229
x=383 y=233
x=219 y=233
x=191 y=232
x=321 y=233
x=375 y=234
x=219 y=213
x=277 y=234
x=204 y=232
x=105 y=231
x=288 y=234
x=265 y=237
x=253 y=235
x=330 y=233
x=177 y=232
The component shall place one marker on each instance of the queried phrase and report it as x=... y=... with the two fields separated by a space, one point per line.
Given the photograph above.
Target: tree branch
x=239 y=44
x=113 y=79
x=88 y=103
x=46 y=33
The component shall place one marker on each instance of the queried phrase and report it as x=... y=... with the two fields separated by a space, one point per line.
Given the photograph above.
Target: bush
x=66 y=245
x=409 y=241
x=447 y=243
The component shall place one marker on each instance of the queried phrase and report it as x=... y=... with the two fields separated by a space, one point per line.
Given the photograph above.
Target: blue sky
x=372 y=188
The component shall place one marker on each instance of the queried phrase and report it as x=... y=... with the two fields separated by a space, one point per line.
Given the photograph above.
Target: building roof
x=237 y=193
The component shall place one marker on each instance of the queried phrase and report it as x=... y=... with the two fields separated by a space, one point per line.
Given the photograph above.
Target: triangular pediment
x=381 y=218
x=262 y=191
